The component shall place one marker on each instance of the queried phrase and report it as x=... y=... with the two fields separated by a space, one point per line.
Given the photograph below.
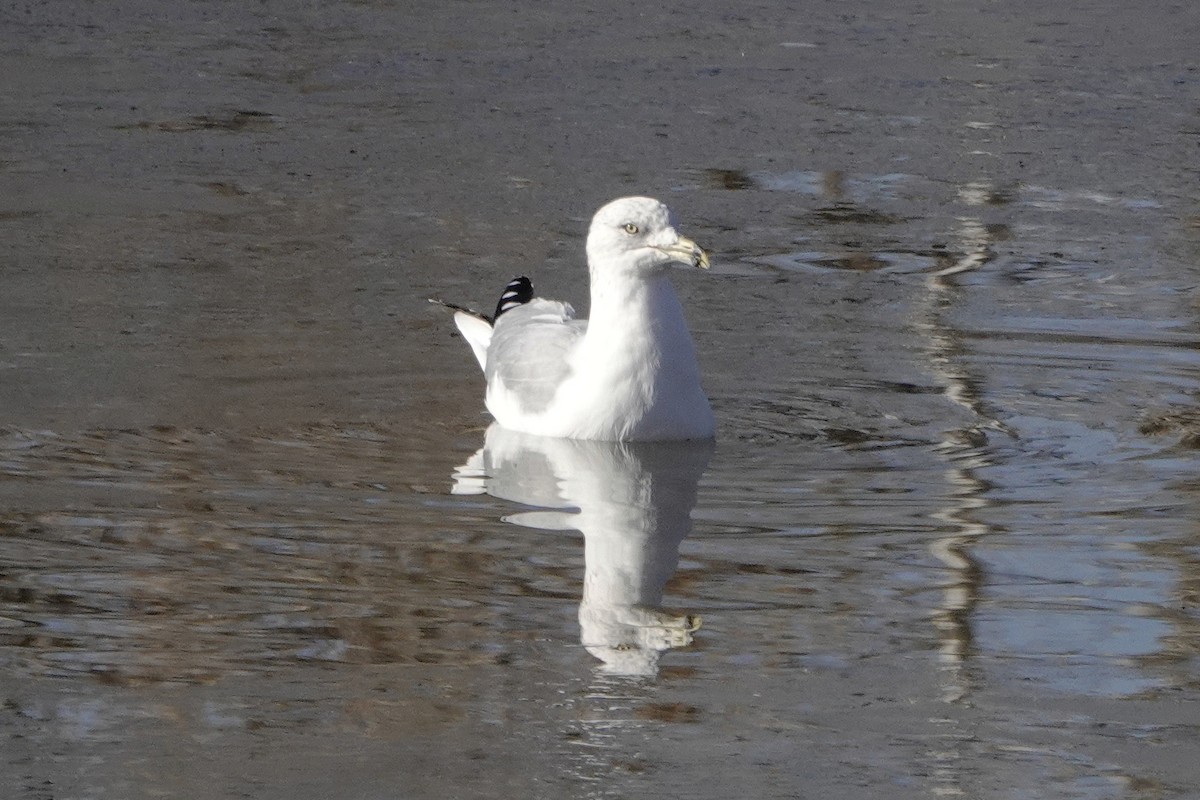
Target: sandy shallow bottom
x=256 y=540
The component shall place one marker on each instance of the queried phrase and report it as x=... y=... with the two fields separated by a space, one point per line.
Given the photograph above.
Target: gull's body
x=629 y=372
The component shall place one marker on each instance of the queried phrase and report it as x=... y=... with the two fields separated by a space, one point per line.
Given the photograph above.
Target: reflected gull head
x=633 y=504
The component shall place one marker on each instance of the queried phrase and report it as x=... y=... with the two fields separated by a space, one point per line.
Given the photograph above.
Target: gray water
x=258 y=542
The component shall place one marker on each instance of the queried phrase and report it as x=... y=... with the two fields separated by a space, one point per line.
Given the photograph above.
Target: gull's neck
x=636 y=368
x=637 y=362
x=629 y=308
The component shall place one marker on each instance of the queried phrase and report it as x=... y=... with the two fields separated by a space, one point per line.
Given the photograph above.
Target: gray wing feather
x=529 y=350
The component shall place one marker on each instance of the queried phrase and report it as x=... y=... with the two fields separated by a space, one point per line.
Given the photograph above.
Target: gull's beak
x=685 y=251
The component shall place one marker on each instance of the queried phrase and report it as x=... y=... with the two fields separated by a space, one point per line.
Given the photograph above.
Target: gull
x=627 y=374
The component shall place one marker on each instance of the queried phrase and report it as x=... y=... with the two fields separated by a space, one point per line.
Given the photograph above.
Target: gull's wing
x=529 y=348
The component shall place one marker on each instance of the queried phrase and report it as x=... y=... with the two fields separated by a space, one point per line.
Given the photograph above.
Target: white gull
x=629 y=373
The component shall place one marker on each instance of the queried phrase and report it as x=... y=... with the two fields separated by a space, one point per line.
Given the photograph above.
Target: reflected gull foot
x=633 y=504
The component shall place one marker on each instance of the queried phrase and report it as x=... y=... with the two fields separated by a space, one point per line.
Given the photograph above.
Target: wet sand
x=945 y=544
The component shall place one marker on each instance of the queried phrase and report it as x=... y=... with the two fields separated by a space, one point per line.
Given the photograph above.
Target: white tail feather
x=477 y=332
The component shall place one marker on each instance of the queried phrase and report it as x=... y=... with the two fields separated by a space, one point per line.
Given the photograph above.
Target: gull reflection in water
x=632 y=501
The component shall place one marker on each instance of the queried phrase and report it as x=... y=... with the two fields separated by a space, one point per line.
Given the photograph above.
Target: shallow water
x=257 y=540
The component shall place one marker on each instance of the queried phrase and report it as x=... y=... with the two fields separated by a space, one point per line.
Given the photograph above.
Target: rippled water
x=257 y=539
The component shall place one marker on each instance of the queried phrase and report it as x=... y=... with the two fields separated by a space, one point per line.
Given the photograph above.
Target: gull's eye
x=630 y=228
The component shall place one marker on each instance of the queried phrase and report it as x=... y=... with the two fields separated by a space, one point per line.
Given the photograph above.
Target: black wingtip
x=518 y=292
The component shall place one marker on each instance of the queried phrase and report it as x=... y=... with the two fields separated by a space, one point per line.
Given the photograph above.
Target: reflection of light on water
x=1106 y=636
x=962 y=450
x=633 y=503
x=1064 y=611
x=961 y=592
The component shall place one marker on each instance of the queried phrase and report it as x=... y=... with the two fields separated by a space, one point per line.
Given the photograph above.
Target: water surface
x=258 y=541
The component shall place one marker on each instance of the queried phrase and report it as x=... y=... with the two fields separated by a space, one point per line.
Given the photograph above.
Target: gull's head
x=635 y=233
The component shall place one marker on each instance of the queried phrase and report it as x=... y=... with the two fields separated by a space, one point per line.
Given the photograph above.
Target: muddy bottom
x=257 y=538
